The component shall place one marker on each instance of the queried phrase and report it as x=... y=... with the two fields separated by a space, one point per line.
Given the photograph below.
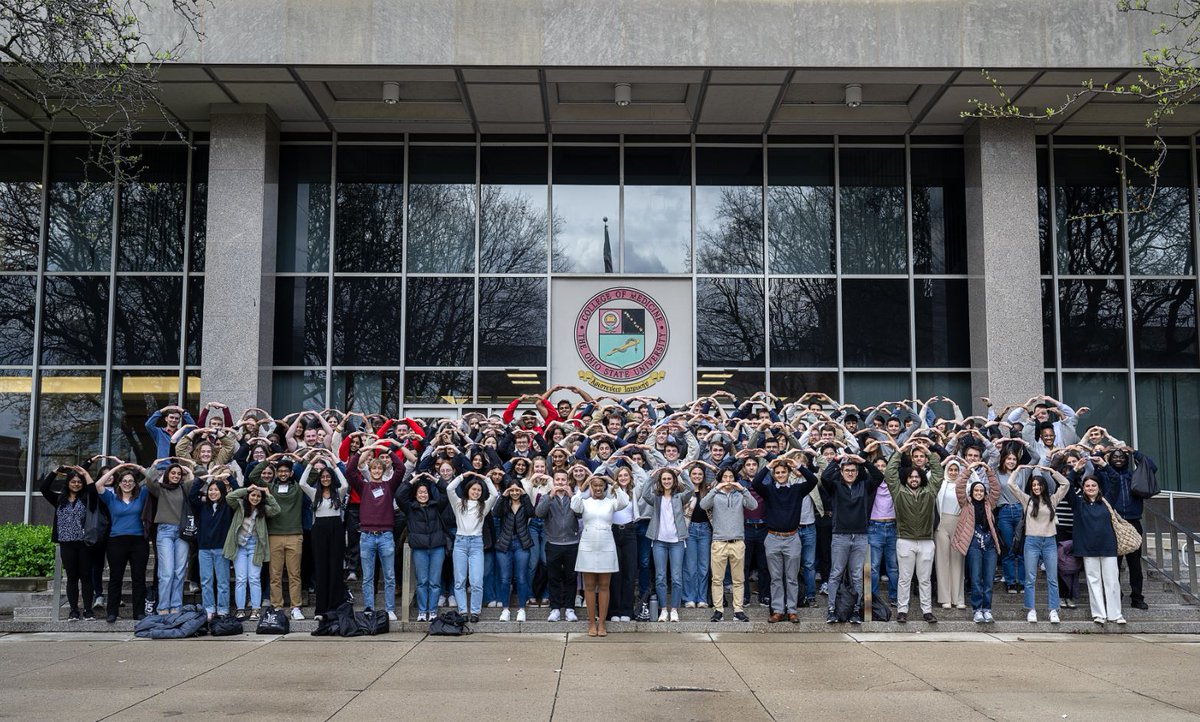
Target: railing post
x=868 y=602
x=406 y=584
x=56 y=586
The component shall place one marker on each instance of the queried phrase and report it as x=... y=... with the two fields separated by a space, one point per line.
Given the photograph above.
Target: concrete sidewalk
x=675 y=677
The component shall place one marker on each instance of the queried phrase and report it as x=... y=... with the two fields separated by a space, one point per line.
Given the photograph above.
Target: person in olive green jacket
x=247 y=544
x=913 y=479
x=286 y=528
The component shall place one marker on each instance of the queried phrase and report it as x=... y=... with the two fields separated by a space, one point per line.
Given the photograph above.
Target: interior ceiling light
x=622 y=94
x=391 y=92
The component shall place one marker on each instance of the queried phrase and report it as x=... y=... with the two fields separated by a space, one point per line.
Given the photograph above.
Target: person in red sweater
x=375 y=491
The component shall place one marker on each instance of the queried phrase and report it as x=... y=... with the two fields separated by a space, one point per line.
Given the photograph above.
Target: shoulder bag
x=1128 y=539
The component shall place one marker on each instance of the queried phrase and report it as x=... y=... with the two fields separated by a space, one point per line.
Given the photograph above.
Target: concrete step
x=34 y=613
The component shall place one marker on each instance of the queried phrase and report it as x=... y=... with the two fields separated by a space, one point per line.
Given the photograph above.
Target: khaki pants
x=285 y=552
x=948 y=562
x=733 y=554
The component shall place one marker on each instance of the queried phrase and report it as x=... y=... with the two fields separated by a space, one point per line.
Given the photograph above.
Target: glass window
x=1168 y=418
x=304 y=175
x=512 y=215
x=1043 y=175
x=75 y=320
x=1160 y=229
x=874 y=238
x=199 y=218
x=365 y=327
x=20 y=207
x=153 y=211
x=300 y=321
x=1051 y=384
x=295 y=390
x=70 y=417
x=1106 y=394
x=739 y=383
x=729 y=210
x=1048 y=340
x=80 y=225
x=800 y=210
x=147 y=320
x=955 y=385
x=135 y=396
x=512 y=322
x=875 y=322
x=939 y=210
x=437 y=387
x=441 y=322
x=15 y=388
x=1092 y=325
x=1086 y=185
x=369 y=233
x=195 y=320
x=587 y=206
x=729 y=322
x=367 y=392
x=441 y=210
x=658 y=210
x=870 y=389
x=794 y=384
x=18 y=295
x=803 y=322
x=943 y=323
x=1164 y=324
x=501 y=387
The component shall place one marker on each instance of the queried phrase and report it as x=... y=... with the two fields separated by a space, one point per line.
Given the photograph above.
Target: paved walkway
x=674 y=677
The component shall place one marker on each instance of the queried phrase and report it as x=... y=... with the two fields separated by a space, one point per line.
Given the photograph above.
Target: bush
x=26 y=551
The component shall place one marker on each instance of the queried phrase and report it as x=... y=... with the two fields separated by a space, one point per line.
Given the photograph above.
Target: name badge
x=377 y=492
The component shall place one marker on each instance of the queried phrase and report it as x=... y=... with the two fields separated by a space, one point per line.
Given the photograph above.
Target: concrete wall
x=803 y=33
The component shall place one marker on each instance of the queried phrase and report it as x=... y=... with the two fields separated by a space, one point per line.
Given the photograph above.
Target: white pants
x=949 y=563
x=1104 y=586
x=915 y=554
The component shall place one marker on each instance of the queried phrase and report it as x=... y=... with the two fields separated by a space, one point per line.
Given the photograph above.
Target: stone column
x=1003 y=262
x=239 y=288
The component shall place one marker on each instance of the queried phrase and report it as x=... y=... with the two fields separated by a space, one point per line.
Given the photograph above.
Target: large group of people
x=623 y=508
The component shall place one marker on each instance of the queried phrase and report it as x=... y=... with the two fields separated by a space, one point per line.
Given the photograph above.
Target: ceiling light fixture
x=622 y=94
x=391 y=92
x=853 y=95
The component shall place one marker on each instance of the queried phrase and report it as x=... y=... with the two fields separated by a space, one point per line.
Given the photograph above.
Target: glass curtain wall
x=101 y=299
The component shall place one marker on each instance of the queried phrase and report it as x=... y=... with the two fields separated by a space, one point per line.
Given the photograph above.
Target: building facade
x=505 y=224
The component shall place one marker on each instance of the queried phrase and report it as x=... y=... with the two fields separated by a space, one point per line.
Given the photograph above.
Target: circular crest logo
x=621 y=334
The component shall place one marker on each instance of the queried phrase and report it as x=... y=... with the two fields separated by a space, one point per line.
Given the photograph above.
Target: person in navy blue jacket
x=1116 y=478
x=213 y=517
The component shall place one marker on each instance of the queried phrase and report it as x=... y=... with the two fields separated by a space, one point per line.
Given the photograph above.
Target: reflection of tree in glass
x=80 y=230
x=729 y=322
x=1164 y=319
x=802 y=229
x=17 y=297
x=20 y=224
x=1087 y=245
x=146 y=320
x=512 y=230
x=75 y=320
x=1093 y=324
x=195 y=320
x=431 y=387
x=873 y=232
x=440 y=325
x=512 y=322
x=734 y=243
x=366 y=318
x=804 y=322
x=369 y=227
x=151 y=226
x=441 y=228
x=69 y=428
x=1160 y=240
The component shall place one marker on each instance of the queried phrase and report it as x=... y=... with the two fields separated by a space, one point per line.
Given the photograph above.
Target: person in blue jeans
x=697 y=554
x=472 y=496
x=169 y=483
x=423 y=500
x=881 y=535
x=975 y=536
x=513 y=544
x=1041 y=541
x=538 y=485
x=376 y=519
x=1009 y=511
x=666 y=496
x=247 y=543
x=213 y=517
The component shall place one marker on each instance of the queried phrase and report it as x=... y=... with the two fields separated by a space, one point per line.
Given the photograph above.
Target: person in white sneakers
x=562 y=546
x=1041 y=541
x=513 y=544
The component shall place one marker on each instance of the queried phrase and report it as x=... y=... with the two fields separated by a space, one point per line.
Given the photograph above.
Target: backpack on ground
x=449 y=623
x=273 y=621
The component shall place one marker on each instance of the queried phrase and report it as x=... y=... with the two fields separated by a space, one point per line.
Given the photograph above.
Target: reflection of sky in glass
x=579 y=213
x=729 y=229
x=658 y=229
x=512 y=231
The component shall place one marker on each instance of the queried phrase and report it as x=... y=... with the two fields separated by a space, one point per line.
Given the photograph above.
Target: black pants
x=353 y=562
x=77 y=564
x=306 y=561
x=756 y=559
x=560 y=572
x=328 y=545
x=624 y=581
x=824 y=543
x=133 y=551
x=97 y=554
x=1134 y=561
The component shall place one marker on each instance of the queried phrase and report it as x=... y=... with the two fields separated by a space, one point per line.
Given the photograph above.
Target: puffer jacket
x=426 y=522
x=1115 y=486
x=187 y=622
x=514 y=525
x=965 y=531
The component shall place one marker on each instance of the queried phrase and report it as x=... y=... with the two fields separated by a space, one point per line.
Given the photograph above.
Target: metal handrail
x=1182 y=545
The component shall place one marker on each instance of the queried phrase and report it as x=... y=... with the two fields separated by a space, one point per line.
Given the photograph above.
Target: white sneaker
x=987 y=616
x=521 y=615
x=702 y=605
x=625 y=619
x=504 y=616
x=978 y=616
x=571 y=616
x=1031 y=617
x=493 y=605
x=1054 y=616
x=663 y=616
x=442 y=601
x=689 y=605
x=297 y=614
x=578 y=601
x=392 y=617
x=614 y=618
x=674 y=615
x=352 y=577
x=99 y=603
x=1118 y=620
x=421 y=616
x=545 y=601
x=553 y=616
x=452 y=602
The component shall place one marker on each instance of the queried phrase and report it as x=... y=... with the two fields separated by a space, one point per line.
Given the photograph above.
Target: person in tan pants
x=285 y=529
x=947 y=560
x=724 y=504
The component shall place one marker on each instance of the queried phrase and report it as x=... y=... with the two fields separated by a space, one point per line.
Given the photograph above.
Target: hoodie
x=725 y=510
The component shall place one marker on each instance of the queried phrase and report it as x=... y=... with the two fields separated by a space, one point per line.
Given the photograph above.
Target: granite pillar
x=1003 y=262
x=239 y=288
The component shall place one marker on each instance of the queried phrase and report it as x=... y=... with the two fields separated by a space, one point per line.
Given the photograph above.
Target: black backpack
x=273 y=621
x=843 y=605
x=880 y=610
x=449 y=623
x=227 y=626
x=371 y=623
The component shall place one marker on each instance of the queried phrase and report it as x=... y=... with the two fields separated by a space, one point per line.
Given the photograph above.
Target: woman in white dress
x=597 y=558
